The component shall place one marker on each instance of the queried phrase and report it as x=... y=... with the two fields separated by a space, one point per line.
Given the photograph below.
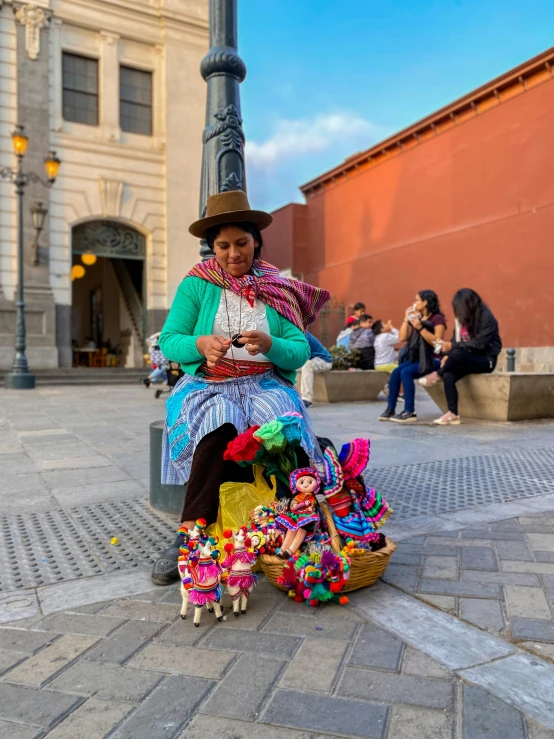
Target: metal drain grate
x=45 y=548
x=39 y=549
x=451 y=484
x=141 y=533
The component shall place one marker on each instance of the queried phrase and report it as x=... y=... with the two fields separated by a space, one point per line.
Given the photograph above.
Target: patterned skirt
x=196 y=407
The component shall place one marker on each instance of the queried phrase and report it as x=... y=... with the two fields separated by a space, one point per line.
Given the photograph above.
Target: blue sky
x=328 y=78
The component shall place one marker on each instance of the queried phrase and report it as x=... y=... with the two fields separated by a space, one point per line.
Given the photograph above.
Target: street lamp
x=223 y=138
x=38 y=214
x=20 y=378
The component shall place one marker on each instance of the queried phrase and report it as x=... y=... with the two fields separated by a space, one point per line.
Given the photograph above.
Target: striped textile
x=227 y=368
x=297 y=301
x=196 y=407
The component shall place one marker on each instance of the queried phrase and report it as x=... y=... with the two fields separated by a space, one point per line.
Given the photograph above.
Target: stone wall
x=530 y=359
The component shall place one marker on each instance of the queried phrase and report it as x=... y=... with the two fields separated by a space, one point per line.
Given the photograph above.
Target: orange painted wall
x=286 y=240
x=470 y=207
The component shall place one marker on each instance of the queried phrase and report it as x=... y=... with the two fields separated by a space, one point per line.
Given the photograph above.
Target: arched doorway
x=108 y=295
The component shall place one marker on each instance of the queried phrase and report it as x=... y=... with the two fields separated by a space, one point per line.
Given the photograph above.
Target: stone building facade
x=113 y=86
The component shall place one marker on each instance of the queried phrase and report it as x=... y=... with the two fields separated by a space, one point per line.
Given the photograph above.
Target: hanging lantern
x=88 y=258
x=77 y=271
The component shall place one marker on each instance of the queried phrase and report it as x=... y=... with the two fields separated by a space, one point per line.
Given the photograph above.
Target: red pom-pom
x=248 y=541
x=201 y=523
x=314 y=603
x=335 y=587
x=227 y=534
x=343 y=600
x=228 y=547
x=298 y=598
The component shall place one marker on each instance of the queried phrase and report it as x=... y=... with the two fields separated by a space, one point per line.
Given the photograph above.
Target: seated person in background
x=320 y=361
x=473 y=350
x=343 y=339
x=357 y=313
x=386 y=338
x=362 y=338
x=423 y=324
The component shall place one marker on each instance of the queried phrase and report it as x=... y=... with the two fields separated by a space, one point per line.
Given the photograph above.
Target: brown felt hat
x=229 y=207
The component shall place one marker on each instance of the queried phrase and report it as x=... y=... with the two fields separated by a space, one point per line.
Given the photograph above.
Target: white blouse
x=235 y=315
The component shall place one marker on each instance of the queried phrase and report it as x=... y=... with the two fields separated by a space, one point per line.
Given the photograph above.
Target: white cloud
x=298 y=150
x=294 y=138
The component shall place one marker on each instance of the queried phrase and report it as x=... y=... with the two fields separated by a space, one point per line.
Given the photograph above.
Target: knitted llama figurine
x=205 y=588
x=238 y=567
x=190 y=542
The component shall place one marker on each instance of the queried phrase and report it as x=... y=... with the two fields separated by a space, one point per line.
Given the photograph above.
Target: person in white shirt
x=386 y=338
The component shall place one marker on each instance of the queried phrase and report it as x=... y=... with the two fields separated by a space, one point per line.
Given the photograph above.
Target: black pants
x=209 y=471
x=367 y=358
x=459 y=364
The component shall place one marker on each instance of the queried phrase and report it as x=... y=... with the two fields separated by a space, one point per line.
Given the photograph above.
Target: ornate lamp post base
x=19 y=381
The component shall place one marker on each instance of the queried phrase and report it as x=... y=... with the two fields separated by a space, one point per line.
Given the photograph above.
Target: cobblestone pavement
x=131 y=668
x=499 y=577
x=88 y=648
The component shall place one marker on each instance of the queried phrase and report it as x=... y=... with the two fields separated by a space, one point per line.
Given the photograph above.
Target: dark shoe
x=165 y=570
x=146 y=382
x=405 y=417
x=307 y=403
x=387 y=415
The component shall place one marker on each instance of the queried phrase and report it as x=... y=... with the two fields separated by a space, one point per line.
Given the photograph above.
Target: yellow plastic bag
x=237 y=499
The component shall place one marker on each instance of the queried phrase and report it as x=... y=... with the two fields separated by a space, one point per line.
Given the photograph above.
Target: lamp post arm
x=27 y=177
x=7 y=173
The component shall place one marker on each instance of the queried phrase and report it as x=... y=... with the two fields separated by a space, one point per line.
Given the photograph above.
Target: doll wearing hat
x=302 y=517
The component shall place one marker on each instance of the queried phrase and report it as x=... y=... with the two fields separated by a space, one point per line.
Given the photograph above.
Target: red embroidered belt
x=228 y=368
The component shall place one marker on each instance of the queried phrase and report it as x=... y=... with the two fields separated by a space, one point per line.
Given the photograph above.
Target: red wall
x=286 y=240
x=471 y=207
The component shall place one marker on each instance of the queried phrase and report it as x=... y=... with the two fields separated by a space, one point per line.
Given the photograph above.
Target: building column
x=108 y=84
x=32 y=64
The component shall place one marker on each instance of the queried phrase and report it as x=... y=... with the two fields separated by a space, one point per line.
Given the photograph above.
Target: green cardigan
x=192 y=315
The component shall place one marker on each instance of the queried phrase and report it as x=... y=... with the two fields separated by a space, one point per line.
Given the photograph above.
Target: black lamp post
x=20 y=378
x=223 y=138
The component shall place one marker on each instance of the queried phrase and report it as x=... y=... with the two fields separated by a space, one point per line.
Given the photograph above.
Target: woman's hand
x=213 y=347
x=446 y=346
x=443 y=361
x=256 y=342
x=416 y=322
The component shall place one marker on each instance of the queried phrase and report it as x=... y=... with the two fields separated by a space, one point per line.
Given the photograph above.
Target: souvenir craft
x=204 y=587
x=317 y=578
x=238 y=568
x=302 y=518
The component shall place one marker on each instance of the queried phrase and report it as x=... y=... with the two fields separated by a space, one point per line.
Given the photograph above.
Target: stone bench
x=510 y=396
x=342 y=386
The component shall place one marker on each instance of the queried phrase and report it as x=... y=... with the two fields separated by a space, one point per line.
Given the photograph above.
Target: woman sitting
x=237 y=329
x=474 y=349
x=423 y=325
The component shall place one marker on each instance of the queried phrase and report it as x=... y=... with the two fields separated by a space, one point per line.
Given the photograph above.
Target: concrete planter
x=338 y=386
x=513 y=396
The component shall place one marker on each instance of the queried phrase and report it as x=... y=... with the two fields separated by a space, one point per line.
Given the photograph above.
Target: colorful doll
x=302 y=517
x=238 y=568
x=205 y=586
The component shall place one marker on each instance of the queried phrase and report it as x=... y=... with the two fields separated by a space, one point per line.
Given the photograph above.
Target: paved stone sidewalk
x=497 y=576
x=131 y=668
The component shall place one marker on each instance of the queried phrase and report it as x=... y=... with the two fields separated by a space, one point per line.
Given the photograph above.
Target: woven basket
x=365 y=568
